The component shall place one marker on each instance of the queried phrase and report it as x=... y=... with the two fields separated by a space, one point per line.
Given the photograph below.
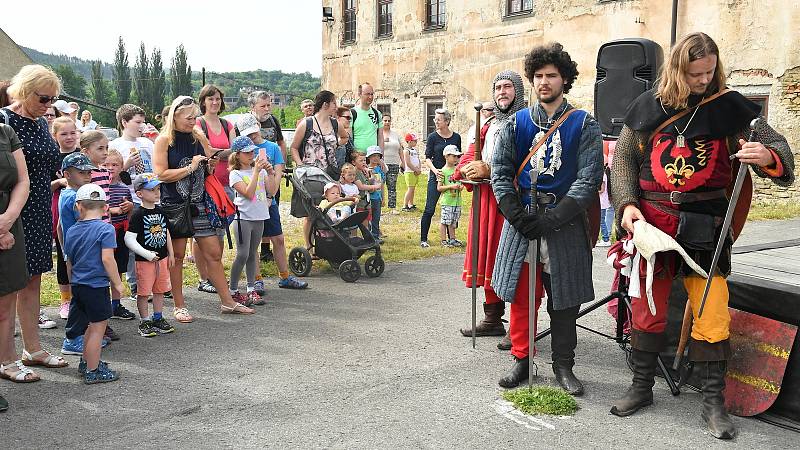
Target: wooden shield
x=593 y=216
x=761 y=350
x=743 y=203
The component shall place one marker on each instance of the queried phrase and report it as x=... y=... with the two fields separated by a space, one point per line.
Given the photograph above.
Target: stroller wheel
x=300 y=261
x=374 y=266
x=350 y=271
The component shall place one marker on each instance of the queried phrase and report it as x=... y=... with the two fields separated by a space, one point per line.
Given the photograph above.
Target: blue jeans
x=431 y=199
x=375 y=223
x=606 y=222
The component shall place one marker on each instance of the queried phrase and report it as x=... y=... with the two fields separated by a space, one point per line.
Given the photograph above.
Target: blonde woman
x=180 y=157
x=86 y=121
x=34 y=89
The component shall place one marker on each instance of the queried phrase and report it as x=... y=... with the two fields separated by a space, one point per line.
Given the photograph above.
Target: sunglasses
x=185 y=102
x=49 y=115
x=347 y=117
x=46 y=98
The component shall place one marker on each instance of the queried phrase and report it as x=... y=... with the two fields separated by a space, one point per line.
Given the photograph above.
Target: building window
x=762 y=101
x=384 y=18
x=435 y=14
x=518 y=7
x=384 y=108
x=349 y=21
x=430 y=112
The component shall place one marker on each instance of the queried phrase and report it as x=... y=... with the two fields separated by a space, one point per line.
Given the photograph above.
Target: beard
x=550 y=97
x=509 y=102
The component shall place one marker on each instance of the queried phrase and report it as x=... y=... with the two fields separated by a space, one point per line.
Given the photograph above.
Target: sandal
x=182 y=315
x=236 y=309
x=49 y=361
x=18 y=373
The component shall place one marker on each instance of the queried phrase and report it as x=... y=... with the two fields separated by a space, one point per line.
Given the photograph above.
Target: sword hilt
x=534 y=176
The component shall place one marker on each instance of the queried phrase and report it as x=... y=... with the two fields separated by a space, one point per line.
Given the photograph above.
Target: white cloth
x=648 y=241
x=256 y=208
x=145 y=148
x=604 y=201
x=349 y=189
x=391 y=148
x=413 y=158
x=89 y=126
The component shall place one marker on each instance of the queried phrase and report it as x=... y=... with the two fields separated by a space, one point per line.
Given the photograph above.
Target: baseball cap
x=243 y=144
x=374 y=149
x=330 y=185
x=77 y=160
x=90 y=191
x=248 y=124
x=451 y=150
x=63 y=106
x=145 y=181
x=411 y=137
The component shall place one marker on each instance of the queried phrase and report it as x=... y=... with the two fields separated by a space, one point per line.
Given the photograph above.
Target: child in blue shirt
x=89 y=246
x=376 y=198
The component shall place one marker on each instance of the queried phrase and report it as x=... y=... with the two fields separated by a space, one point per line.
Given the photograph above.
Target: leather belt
x=676 y=197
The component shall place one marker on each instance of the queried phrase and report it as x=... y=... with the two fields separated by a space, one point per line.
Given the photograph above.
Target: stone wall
x=12 y=57
x=759 y=41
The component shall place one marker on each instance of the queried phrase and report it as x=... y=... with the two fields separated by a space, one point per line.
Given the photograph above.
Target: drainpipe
x=674 y=22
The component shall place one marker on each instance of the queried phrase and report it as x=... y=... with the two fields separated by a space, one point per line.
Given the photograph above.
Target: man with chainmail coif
x=671 y=168
x=570 y=162
x=508 y=94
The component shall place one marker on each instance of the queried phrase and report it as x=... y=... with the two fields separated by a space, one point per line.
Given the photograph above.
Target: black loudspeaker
x=625 y=69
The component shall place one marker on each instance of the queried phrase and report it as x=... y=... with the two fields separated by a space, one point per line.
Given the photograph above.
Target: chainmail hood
x=519 y=94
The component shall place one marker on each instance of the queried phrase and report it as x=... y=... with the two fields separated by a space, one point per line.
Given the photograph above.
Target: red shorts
x=152 y=277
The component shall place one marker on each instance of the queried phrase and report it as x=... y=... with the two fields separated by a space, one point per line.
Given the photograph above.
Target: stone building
x=424 y=54
x=12 y=58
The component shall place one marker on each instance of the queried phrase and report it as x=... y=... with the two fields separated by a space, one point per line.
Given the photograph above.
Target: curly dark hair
x=552 y=53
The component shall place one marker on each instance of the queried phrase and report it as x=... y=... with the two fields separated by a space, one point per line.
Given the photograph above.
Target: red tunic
x=491 y=224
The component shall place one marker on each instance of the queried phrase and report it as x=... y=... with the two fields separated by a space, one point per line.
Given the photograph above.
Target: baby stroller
x=331 y=241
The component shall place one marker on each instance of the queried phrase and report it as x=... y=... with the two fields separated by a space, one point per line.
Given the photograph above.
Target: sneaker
x=205 y=286
x=424 y=244
x=162 y=326
x=133 y=288
x=75 y=346
x=100 y=375
x=167 y=294
x=405 y=208
x=258 y=286
x=446 y=243
x=82 y=366
x=255 y=299
x=603 y=243
x=456 y=243
x=45 y=323
x=267 y=256
x=110 y=334
x=291 y=282
x=146 y=329
x=122 y=313
x=241 y=299
x=63 y=311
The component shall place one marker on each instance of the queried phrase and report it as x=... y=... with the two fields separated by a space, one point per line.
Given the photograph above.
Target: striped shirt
x=118 y=193
x=102 y=178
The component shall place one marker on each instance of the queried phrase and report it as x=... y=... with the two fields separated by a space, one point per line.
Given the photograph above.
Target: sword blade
x=476 y=223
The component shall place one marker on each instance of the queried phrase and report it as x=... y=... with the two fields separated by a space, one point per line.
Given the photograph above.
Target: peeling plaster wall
x=759 y=41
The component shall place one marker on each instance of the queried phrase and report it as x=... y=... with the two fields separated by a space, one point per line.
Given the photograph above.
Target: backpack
x=377 y=114
x=225 y=126
x=219 y=205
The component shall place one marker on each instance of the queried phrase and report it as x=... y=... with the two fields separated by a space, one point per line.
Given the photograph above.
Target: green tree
x=141 y=75
x=282 y=117
x=158 y=82
x=73 y=83
x=121 y=74
x=181 y=73
x=101 y=94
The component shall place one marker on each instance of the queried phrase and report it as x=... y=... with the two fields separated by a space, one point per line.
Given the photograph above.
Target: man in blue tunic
x=569 y=159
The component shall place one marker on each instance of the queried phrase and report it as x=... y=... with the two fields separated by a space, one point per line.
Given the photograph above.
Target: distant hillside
x=297 y=84
x=82 y=66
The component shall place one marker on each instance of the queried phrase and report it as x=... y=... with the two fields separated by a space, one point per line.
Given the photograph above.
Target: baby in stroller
x=334 y=205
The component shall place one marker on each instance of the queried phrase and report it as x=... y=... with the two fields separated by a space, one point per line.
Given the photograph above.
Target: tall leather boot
x=640 y=393
x=517 y=374
x=716 y=417
x=505 y=343
x=564 y=339
x=491 y=324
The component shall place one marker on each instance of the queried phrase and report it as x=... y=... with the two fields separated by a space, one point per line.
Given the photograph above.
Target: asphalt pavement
x=375 y=364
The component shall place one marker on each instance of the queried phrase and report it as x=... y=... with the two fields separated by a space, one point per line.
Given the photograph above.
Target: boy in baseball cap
x=89 y=246
x=450 y=198
x=376 y=198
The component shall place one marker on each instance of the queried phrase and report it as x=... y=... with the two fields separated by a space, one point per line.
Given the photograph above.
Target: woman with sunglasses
x=180 y=157
x=33 y=89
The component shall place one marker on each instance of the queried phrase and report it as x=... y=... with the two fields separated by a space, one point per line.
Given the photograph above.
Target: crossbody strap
x=547 y=135
x=686 y=111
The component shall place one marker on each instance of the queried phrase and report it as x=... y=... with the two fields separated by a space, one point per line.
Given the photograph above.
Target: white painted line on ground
x=507 y=410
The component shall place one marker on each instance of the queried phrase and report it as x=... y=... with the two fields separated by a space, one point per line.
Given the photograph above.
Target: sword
x=726 y=224
x=476 y=222
x=533 y=262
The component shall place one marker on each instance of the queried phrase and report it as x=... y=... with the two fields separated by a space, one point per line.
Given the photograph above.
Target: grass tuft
x=542 y=400
x=774 y=210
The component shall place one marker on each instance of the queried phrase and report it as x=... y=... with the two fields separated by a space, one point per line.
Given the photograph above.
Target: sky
x=222 y=36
